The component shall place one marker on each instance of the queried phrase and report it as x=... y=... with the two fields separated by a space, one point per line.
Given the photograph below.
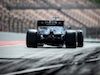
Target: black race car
x=53 y=33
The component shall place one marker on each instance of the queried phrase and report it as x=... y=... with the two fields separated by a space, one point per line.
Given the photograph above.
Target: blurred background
x=19 y=15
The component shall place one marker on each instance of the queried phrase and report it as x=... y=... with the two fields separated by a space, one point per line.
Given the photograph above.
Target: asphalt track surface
x=48 y=60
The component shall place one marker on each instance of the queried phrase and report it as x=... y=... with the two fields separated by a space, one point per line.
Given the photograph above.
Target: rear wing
x=50 y=23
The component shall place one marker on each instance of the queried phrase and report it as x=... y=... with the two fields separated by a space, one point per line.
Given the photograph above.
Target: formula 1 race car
x=53 y=33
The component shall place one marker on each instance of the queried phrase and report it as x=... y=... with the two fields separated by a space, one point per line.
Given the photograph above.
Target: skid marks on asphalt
x=76 y=65
x=47 y=56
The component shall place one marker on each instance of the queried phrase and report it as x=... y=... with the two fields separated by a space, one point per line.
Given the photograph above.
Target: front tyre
x=31 y=38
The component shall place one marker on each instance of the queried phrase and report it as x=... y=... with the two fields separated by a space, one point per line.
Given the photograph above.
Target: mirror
x=69 y=27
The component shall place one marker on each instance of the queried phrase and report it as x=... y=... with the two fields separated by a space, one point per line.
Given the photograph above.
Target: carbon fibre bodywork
x=52 y=33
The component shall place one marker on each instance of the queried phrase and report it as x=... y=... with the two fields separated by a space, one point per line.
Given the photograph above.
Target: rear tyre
x=31 y=39
x=70 y=40
x=80 y=39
